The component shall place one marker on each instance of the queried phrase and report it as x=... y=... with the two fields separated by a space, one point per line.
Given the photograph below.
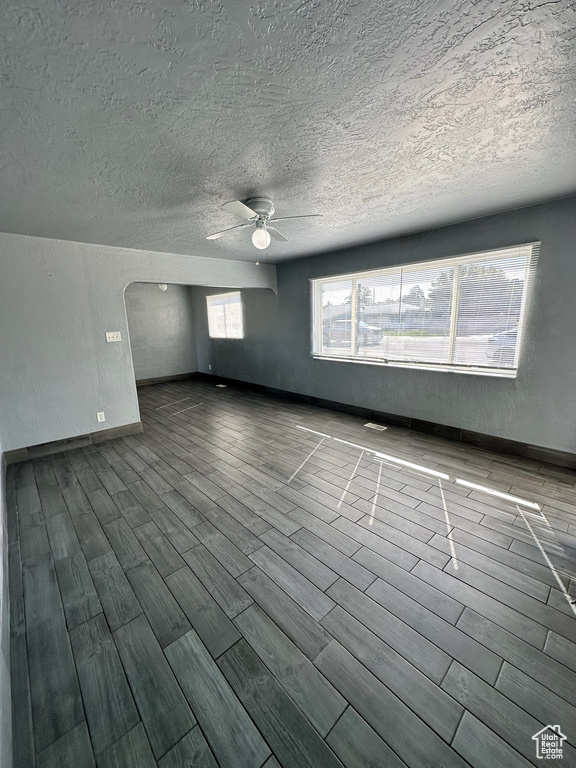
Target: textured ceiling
x=130 y=123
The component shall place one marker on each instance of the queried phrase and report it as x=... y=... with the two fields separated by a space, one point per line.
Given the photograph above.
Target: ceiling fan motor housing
x=262 y=206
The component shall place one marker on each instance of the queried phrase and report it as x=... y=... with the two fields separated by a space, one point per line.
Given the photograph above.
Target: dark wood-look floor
x=229 y=590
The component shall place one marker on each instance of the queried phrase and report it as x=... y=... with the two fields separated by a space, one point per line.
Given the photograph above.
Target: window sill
x=498 y=373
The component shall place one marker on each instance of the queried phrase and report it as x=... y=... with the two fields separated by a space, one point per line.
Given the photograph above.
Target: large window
x=465 y=313
x=225 y=316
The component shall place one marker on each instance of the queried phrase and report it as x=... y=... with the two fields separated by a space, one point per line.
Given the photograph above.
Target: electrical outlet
x=113 y=336
x=209 y=366
x=100 y=416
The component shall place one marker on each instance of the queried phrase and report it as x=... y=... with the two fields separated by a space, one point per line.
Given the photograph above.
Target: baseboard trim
x=68 y=444
x=552 y=456
x=164 y=379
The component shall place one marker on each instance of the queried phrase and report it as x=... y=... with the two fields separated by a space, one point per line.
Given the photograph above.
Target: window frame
x=225 y=304
x=456 y=262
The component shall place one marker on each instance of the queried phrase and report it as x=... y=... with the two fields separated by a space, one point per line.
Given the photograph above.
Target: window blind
x=225 y=319
x=464 y=312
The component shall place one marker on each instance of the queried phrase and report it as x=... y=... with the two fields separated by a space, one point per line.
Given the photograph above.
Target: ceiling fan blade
x=305 y=216
x=239 y=209
x=216 y=235
x=275 y=234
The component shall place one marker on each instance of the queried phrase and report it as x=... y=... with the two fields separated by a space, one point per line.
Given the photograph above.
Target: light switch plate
x=113 y=336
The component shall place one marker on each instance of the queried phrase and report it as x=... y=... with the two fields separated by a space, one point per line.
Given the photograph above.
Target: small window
x=225 y=316
x=464 y=314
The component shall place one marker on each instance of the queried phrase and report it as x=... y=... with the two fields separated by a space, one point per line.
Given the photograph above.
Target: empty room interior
x=287 y=384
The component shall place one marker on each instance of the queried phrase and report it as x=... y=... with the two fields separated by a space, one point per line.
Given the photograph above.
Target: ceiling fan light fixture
x=261 y=238
x=258 y=212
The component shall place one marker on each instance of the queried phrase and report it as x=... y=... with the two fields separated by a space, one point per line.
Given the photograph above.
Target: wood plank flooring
x=248 y=584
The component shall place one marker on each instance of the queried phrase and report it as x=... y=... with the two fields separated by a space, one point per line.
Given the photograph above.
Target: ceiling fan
x=258 y=211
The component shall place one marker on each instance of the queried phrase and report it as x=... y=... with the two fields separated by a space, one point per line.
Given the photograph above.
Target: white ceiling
x=130 y=123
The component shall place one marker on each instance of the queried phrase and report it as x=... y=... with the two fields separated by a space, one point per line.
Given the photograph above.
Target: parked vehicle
x=340 y=332
x=501 y=347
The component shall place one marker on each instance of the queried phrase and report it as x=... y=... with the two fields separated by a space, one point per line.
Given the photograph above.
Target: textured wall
x=248 y=355
x=537 y=407
x=161 y=325
x=57 y=300
x=5 y=701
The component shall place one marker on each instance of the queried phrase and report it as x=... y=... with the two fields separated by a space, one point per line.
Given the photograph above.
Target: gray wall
x=161 y=325
x=57 y=300
x=537 y=407
x=248 y=358
x=5 y=699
